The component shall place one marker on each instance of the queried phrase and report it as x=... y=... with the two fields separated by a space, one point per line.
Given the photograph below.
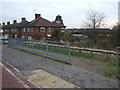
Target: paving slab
x=47 y=80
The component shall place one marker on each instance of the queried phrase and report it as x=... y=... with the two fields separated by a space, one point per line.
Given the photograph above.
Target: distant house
x=38 y=28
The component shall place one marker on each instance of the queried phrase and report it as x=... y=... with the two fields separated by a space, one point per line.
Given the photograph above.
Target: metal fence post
x=47 y=47
x=32 y=45
x=69 y=53
x=117 y=53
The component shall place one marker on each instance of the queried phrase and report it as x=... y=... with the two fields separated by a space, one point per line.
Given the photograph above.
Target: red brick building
x=38 y=28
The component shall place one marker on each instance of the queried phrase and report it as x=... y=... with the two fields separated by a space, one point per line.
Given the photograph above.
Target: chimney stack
x=37 y=16
x=23 y=19
x=8 y=23
x=3 y=23
x=14 y=21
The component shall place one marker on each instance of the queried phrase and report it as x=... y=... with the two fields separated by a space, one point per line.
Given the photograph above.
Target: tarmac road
x=27 y=63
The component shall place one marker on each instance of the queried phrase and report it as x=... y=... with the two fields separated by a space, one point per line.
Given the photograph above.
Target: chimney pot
x=8 y=23
x=37 y=16
x=14 y=21
x=3 y=23
x=23 y=19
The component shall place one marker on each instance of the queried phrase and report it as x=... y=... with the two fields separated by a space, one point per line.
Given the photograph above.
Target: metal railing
x=91 y=50
x=42 y=48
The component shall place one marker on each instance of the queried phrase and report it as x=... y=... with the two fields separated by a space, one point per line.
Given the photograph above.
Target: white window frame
x=42 y=29
x=49 y=35
x=23 y=37
x=16 y=36
x=29 y=37
x=24 y=29
x=30 y=29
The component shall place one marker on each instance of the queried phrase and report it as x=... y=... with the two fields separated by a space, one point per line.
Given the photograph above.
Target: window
x=6 y=35
x=23 y=37
x=49 y=29
x=5 y=30
x=12 y=30
x=15 y=30
x=29 y=37
x=15 y=36
x=48 y=35
x=28 y=29
x=42 y=29
x=24 y=29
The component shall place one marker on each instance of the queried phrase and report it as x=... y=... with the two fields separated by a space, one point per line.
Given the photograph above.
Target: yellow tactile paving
x=47 y=80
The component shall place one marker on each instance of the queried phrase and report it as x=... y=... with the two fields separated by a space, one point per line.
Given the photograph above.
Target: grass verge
x=107 y=60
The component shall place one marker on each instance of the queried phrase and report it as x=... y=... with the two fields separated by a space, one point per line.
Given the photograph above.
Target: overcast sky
x=73 y=12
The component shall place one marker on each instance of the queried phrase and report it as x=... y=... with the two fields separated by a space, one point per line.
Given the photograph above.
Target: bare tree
x=95 y=19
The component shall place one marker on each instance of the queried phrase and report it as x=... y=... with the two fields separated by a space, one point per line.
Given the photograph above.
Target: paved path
x=13 y=79
x=27 y=63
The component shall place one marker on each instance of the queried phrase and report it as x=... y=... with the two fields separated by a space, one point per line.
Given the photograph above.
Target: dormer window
x=42 y=29
x=49 y=29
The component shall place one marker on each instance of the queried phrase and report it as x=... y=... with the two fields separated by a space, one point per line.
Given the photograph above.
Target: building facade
x=39 y=28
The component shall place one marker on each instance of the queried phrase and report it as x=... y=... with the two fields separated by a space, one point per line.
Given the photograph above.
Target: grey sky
x=73 y=12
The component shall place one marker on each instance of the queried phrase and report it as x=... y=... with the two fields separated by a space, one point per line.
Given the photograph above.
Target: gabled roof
x=43 y=22
x=38 y=22
x=16 y=25
x=6 y=26
x=22 y=24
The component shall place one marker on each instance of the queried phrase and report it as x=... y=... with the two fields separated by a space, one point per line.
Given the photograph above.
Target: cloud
x=72 y=11
x=60 y=1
